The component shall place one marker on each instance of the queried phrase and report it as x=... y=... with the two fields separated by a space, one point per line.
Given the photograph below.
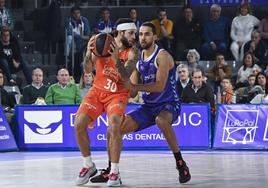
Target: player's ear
x=121 y=33
x=155 y=37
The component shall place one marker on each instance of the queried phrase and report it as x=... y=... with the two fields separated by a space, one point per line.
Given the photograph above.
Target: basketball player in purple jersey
x=161 y=102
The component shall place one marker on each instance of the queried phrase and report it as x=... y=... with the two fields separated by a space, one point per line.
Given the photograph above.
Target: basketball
x=102 y=44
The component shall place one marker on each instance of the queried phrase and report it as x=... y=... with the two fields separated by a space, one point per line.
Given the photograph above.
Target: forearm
x=163 y=31
x=154 y=88
x=88 y=64
x=124 y=71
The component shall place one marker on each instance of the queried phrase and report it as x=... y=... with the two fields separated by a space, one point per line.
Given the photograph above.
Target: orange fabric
x=97 y=101
x=106 y=95
x=107 y=77
x=228 y=98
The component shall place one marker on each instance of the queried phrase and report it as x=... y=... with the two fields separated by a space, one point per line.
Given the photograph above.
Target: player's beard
x=146 y=45
x=125 y=42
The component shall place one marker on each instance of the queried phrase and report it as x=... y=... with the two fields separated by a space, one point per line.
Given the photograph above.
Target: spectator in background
x=216 y=34
x=6 y=99
x=86 y=82
x=260 y=90
x=258 y=94
x=187 y=34
x=104 y=24
x=245 y=70
x=256 y=70
x=227 y=93
x=133 y=14
x=263 y=28
x=7 y=102
x=198 y=91
x=242 y=94
x=35 y=90
x=6 y=19
x=184 y=78
x=10 y=57
x=218 y=72
x=241 y=29
x=164 y=28
x=79 y=26
x=260 y=99
x=63 y=92
x=193 y=58
x=258 y=47
x=261 y=80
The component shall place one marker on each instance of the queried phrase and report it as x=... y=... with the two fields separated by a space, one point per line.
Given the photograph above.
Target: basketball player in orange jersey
x=107 y=95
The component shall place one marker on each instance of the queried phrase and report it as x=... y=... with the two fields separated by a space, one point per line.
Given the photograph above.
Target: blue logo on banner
x=7 y=141
x=241 y=126
x=43 y=127
x=53 y=127
x=238 y=123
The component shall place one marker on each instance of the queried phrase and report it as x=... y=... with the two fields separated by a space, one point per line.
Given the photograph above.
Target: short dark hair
x=198 y=68
x=161 y=9
x=132 y=8
x=186 y=7
x=104 y=9
x=74 y=8
x=227 y=78
x=37 y=67
x=219 y=54
x=151 y=25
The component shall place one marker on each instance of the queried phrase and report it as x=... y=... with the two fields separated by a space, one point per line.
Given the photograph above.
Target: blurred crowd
x=223 y=60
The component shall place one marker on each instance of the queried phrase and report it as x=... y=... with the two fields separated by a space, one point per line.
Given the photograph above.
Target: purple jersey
x=148 y=68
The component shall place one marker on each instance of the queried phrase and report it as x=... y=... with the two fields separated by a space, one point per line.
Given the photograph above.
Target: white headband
x=126 y=26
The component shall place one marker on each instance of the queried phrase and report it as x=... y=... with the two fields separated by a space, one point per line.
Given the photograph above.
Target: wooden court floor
x=147 y=169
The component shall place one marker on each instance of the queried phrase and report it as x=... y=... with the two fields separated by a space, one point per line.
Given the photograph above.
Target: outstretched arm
x=165 y=63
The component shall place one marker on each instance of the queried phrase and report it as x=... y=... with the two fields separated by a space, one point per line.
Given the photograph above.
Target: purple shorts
x=146 y=114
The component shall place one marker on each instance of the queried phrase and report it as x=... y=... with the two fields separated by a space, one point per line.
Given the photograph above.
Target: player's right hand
x=132 y=89
x=90 y=45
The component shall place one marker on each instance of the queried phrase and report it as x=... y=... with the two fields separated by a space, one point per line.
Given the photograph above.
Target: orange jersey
x=107 y=77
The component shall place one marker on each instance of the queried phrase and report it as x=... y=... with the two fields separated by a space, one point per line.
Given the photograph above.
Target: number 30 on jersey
x=111 y=86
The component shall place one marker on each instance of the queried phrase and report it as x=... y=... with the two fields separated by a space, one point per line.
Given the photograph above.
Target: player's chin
x=131 y=43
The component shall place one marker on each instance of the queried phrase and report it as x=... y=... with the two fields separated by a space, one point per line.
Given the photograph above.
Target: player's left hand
x=114 y=51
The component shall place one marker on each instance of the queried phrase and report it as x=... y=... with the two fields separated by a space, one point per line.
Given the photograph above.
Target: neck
x=62 y=85
x=37 y=84
x=188 y=20
x=197 y=87
x=149 y=51
x=5 y=42
x=88 y=85
x=185 y=81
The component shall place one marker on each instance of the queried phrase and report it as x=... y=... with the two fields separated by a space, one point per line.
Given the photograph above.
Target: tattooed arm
x=90 y=58
x=127 y=68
